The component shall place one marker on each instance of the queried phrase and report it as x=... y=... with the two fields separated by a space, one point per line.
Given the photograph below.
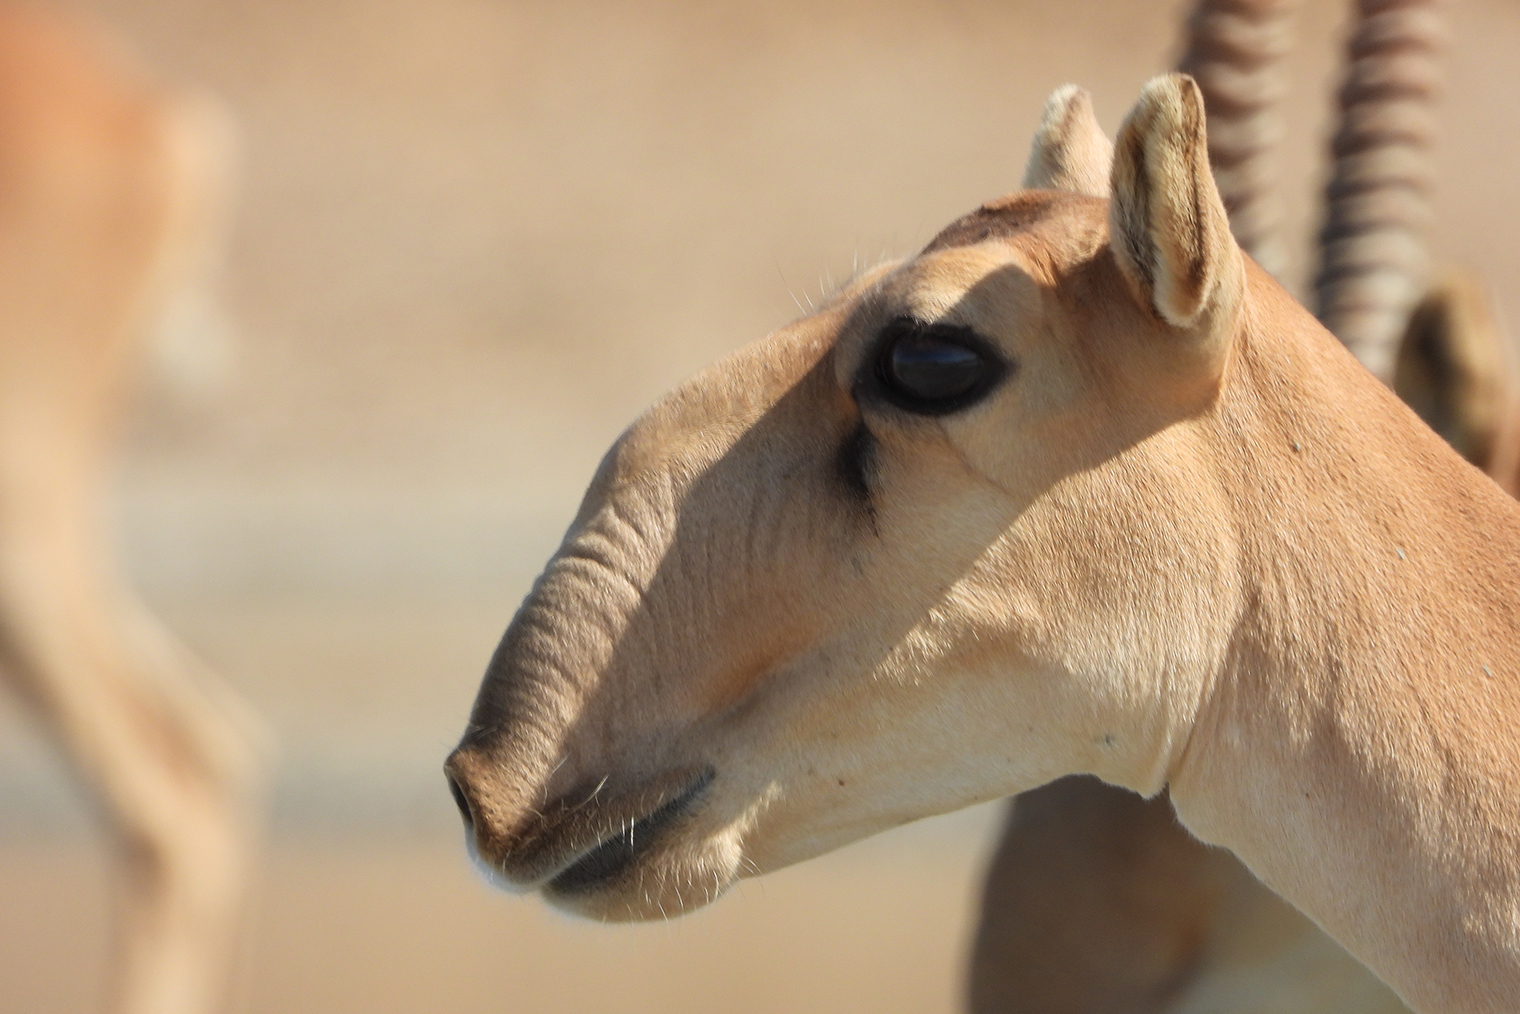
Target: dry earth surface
x=475 y=238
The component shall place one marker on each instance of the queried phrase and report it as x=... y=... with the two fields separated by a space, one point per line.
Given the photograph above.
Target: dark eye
x=937 y=368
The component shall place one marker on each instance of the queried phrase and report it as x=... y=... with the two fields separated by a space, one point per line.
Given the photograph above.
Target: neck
x=1359 y=752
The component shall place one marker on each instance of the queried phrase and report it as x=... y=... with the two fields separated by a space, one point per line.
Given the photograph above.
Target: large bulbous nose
x=578 y=842
x=471 y=783
x=491 y=816
x=460 y=799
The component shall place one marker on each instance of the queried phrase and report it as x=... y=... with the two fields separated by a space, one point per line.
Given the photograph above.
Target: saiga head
x=954 y=535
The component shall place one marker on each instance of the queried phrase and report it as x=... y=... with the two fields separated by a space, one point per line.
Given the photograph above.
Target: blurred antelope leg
x=169 y=770
x=1100 y=902
x=112 y=185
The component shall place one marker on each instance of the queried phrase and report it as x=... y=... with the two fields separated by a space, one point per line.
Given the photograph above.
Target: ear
x=1070 y=151
x=1167 y=224
x=1452 y=370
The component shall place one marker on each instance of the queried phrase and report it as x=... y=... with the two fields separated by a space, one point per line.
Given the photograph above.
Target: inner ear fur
x=1070 y=151
x=1167 y=224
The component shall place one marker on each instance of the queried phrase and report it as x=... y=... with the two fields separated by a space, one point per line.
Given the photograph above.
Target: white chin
x=489 y=873
x=679 y=878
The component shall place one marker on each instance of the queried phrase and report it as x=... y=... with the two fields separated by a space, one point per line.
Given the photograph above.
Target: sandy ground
x=368 y=904
x=401 y=925
x=475 y=238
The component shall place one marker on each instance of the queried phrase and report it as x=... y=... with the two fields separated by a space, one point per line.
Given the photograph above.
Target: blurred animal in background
x=1098 y=901
x=111 y=189
x=1454 y=367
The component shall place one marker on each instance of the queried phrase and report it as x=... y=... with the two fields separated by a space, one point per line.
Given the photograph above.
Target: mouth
x=606 y=861
x=587 y=841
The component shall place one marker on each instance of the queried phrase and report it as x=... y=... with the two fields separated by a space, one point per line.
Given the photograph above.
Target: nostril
x=460 y=800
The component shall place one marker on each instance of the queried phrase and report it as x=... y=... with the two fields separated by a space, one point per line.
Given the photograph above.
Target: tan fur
x=1450 y=367
x=110 y=183
x=1188 y=540
x=1070 y=151
x=1098 y=901
x=1171 y=233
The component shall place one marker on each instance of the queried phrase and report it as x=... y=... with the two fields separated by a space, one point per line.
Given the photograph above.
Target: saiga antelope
x=1078 y=489
x=1098 y=902
x=111 y=186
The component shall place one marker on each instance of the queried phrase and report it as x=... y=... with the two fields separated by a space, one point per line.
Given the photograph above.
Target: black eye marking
x=856 y=460
x=935 y=369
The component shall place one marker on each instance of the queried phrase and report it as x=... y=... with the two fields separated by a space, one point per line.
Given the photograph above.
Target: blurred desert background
x=473 y=239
